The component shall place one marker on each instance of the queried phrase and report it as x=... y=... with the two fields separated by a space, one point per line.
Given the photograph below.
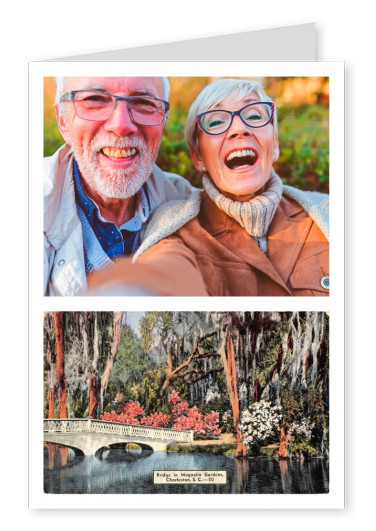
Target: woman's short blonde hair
x=216 y=92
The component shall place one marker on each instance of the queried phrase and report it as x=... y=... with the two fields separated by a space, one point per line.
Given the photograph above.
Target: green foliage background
x=303 y=123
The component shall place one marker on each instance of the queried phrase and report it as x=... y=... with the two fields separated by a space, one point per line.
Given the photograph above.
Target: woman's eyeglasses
x=254 y=115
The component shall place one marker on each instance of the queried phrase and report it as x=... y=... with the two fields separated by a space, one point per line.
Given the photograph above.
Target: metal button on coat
x=117 y=240
x=325 y=282
x=61 y=262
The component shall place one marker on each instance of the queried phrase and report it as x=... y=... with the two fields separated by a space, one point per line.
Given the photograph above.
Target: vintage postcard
x=186 y=403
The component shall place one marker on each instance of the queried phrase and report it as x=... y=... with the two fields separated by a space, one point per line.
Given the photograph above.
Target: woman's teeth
x=241 y=153
x=241 y=158
x=119 y=153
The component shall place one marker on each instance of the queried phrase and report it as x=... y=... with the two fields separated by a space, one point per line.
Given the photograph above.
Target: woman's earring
x=273 y=158
x=203 y=168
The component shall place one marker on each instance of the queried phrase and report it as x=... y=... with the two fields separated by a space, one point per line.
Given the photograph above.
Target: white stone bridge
x=89 y=435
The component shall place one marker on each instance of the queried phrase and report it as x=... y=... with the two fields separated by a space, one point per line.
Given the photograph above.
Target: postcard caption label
x=201 y=477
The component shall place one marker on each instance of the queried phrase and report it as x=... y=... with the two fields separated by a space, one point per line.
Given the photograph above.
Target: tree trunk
x=93 y=394
x=51 y=378
x=117 y=328
x=283 y=444
x=58 y=323
x=228 y=358
x=51 y=403
x=84 y=325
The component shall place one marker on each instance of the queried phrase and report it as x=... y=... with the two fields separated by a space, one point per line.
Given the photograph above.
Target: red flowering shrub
x=189 y=418
x=130 y=415
x=111 y=416
x=133 y=412
x=212 y=424
x=183 y=417
x=156 y=420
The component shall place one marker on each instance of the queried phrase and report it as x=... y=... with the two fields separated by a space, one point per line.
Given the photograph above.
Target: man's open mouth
x=241 y=158
x=116 y=153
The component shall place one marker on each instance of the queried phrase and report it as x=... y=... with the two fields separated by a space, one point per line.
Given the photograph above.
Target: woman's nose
x=238 y=128
x=120 y=121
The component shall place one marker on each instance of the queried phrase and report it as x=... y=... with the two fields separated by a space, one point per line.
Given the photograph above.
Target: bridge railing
x=115 y=428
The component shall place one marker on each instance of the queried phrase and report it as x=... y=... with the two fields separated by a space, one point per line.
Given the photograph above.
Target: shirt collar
x=87 y=204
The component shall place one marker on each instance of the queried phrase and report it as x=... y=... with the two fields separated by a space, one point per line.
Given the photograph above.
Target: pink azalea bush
x=183 y=417
x=189 y=418
x=131 y=414
x=156 y=420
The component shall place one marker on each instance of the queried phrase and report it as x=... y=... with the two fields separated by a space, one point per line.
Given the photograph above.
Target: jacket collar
x=60 y=214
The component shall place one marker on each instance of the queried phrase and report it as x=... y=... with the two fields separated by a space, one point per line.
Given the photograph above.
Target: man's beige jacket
x=64 y=264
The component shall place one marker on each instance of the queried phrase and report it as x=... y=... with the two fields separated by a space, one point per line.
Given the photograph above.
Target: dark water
x=131 y=472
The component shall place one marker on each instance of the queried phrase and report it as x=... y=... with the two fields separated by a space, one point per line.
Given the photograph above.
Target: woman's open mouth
x=241 y=158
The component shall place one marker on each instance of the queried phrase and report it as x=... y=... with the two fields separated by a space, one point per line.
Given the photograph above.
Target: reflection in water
x=285 y=475
x=118 y=470
x=56 y=456
x=241 y=471
x=117 y=454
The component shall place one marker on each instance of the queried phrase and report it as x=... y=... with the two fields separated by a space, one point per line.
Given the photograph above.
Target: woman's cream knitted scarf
x=255 y=215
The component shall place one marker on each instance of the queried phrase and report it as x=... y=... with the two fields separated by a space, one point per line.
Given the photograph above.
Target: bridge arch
x=63 y=442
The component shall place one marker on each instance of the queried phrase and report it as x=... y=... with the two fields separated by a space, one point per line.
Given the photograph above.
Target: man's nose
x=120 y=121
x=238 y=128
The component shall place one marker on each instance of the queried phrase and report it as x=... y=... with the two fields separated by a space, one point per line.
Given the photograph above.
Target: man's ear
x=62 y=125
x=197 y=159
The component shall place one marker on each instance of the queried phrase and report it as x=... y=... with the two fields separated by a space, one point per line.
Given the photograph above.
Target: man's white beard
x=115 y=183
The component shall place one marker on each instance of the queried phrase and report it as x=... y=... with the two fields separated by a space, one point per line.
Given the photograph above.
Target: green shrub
x=231 y=452
x=132 y=446
x=172 y=449
x=269 y=451
x=304 y=146
x=301 y=447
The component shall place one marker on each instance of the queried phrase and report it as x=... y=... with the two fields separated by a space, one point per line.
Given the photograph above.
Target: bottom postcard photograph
x=186 y=402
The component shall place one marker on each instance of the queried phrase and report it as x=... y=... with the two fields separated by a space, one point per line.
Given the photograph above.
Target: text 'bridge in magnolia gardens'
x=89 y=435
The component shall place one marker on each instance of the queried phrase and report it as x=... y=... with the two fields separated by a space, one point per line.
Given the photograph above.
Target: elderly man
x=102 y=185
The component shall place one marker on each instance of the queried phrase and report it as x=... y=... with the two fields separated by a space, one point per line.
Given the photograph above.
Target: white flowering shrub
x=302 y=430
x=260 y=423
x=301 y=433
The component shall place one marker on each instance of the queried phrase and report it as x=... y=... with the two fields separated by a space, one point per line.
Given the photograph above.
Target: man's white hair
x=60 y=84
x=213 y=94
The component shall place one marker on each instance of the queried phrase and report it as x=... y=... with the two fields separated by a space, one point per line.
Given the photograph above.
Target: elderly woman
x=247 y=234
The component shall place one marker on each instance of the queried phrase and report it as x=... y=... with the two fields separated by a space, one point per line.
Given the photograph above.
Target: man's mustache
x=102 y=141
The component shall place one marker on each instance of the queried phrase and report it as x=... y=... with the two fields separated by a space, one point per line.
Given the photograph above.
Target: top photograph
x=186 y=186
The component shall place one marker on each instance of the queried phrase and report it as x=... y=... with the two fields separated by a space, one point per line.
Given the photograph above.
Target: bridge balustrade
x=114 y=428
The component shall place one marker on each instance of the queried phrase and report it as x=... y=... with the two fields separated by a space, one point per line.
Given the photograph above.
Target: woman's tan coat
x=213 y=255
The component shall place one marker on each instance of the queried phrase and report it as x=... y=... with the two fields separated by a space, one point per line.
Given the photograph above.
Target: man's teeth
x=241 y=153
x=119 y=153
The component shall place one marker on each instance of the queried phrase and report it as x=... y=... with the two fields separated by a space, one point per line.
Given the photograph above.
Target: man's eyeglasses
x=98 y=106
x=253 y=115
